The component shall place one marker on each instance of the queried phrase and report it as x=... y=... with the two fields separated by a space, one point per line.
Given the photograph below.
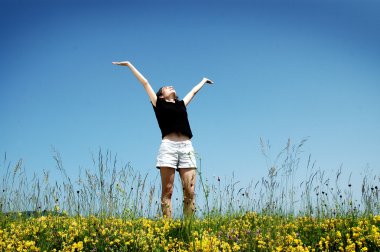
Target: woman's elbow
x=144 y=82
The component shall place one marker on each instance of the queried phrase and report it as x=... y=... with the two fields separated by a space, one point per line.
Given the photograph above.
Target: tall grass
x=112 y=189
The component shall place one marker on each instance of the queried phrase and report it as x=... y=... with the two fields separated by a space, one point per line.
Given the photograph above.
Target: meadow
x=113 y=207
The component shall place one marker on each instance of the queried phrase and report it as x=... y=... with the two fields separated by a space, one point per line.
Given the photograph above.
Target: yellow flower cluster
x=245 y=232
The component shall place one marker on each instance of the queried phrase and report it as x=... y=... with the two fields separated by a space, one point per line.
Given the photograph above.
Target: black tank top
x=172 y=117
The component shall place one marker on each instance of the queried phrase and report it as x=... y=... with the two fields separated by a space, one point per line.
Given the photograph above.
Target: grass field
x=115 y=208
x=243 y=232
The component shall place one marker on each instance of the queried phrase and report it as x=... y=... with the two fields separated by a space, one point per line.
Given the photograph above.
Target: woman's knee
x=167 y=190
x=189 y=191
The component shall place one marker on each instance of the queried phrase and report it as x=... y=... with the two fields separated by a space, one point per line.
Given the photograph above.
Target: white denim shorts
x=176 y=155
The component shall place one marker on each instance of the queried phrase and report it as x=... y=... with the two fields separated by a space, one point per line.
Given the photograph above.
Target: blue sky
x=282 y=69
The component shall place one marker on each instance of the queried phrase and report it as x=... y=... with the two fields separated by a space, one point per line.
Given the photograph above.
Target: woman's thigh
x=167 y=177
x=188 y=178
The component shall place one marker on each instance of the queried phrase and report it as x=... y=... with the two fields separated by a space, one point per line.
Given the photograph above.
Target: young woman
x=176 y=152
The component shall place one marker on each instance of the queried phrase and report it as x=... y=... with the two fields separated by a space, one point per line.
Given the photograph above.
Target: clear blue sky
x=282 y=69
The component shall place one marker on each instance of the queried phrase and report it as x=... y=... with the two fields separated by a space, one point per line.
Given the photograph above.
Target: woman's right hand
x=122 y=63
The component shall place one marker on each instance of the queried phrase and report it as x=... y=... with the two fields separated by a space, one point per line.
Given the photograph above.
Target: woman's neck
x=170 y=98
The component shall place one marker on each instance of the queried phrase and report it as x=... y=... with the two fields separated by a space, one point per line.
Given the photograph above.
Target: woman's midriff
x=176 y=136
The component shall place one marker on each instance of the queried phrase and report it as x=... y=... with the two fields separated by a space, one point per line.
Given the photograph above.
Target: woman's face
x=168 y=92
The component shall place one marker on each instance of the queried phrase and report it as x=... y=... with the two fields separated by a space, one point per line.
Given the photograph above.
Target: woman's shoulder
x=165 y=103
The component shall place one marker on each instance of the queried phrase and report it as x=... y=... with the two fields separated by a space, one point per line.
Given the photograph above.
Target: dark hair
x=159 y=92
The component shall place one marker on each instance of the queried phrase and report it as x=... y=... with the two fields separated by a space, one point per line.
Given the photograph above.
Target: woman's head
x=167 y=93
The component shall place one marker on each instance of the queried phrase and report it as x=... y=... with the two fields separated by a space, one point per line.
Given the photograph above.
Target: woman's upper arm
x=152 y=95
x=187 y=99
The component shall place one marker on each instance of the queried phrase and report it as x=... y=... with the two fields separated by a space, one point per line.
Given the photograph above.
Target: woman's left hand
x=208 y=81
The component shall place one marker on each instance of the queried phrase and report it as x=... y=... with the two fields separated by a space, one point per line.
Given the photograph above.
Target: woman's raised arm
x=152 y=95
x=195 y=90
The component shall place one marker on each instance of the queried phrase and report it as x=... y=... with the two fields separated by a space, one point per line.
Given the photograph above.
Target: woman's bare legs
x=167 y=182
x=188 y=184
x=188 y=178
